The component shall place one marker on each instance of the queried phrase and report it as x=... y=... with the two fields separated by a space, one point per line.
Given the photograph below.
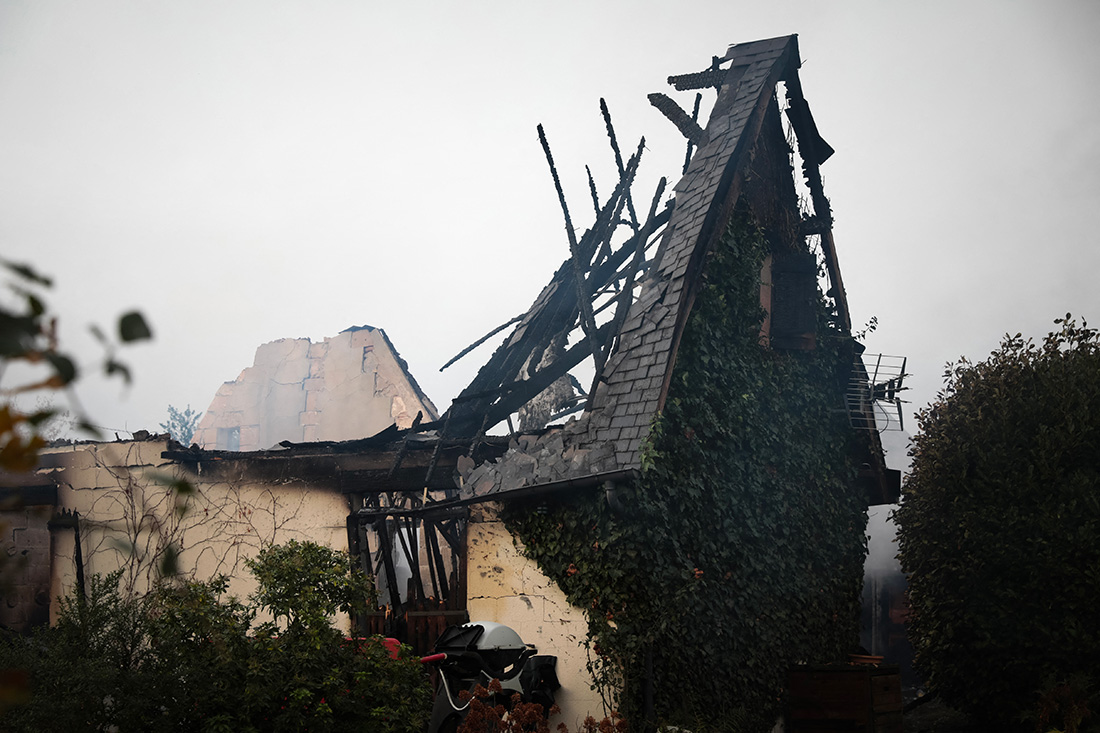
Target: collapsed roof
x=643 y=286
x=619 y=304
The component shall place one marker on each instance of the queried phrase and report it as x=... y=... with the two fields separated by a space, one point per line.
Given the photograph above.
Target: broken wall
x=346 y=387
x=25 y=572
x=129 y=517
x=505 y=586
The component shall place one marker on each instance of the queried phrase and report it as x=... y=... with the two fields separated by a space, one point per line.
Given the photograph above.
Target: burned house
x=100 y=507
x=573 y=404
x=585 y=374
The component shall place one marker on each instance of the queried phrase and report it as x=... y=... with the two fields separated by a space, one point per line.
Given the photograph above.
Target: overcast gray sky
x=250 y=170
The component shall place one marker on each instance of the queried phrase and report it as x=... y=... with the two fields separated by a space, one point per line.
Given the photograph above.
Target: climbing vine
x=740 y=551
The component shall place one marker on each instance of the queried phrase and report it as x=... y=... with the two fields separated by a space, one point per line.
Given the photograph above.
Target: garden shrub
x=999 y=530
x=187 y=658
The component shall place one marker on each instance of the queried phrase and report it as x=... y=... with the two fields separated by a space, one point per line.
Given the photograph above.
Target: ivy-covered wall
x=740 y=551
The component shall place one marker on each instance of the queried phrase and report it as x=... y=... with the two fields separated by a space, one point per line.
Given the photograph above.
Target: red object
x=433 y=658
x=393 y=645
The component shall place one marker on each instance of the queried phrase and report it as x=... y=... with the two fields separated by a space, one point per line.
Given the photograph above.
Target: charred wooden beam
x=530 y=388
x=695 y=119
x=385 y=549
x=592 y=190
x=584 y=296
x=480 y=341
x=438 y=448
x=813 y=225
x=458 y=507
x=813 y=150
x=812 y=147
x=362 y=473
x=407 y=535
x=618 y=160
x=688 y=127
x=436 y=556
x=626 y=295
x=711 y=78
x=554 y=312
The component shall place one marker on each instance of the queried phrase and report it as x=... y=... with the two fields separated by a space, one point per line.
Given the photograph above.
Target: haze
x=254 y=170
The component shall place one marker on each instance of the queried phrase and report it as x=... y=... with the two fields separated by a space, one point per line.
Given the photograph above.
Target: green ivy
x=742 y=547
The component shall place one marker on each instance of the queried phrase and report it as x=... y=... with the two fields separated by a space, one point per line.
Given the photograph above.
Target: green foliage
x=742 y=547
x=28 y=335
x=999 y=528
x=181 y=424
x=84 y=673
x=306 y=583
x=186 y=658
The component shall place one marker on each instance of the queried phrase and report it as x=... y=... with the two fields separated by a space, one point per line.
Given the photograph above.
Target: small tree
x=181 y=424
x=999 y=528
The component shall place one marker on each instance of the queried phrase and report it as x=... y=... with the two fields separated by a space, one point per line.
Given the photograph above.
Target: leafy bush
x=85 y=673
x=186 y=658
x=1000 y=525
x=306 y=583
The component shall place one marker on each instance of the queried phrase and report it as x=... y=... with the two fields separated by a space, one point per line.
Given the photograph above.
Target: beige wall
x=128 y=517
x=346 y=387
x=506 y=587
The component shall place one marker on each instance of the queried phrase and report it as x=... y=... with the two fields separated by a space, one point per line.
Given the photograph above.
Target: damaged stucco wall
x=128 y=516
x=506 y=587
x=25 y=572
x=350 y=386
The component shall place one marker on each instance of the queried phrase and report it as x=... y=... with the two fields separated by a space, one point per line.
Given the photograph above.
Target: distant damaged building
x=349 y=386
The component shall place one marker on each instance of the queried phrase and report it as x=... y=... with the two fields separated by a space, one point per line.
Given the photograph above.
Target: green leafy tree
x=181 y=424
x=306 y=583
x=999 y=528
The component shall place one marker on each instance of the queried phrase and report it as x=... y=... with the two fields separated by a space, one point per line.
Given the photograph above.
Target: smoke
x=882 y=545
